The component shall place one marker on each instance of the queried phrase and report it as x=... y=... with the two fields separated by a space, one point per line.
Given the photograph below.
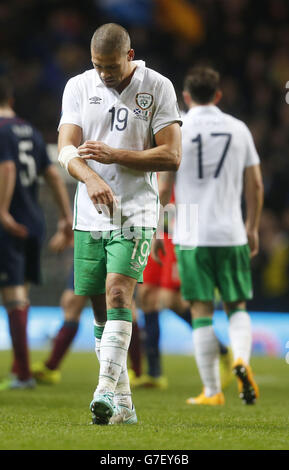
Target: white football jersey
x=216 y=149
x=128 y=121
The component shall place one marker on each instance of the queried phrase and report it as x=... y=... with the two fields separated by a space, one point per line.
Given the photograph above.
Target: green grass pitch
x=58 y=417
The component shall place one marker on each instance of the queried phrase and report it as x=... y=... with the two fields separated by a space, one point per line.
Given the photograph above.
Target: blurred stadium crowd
x=45 y=42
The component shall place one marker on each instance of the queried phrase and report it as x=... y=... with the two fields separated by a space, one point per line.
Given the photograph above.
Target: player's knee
x=66 y=299
x=116 y=297
x=202 y=309
x=166 y=301
x=14 y=297
x=16 y=304
x=72 y=309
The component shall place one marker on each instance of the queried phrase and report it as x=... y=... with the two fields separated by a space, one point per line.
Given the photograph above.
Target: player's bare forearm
x=166 y=183
x=166 y=156
x=7 y=184
x=59 y=190
x=254 y=197
x=79 y=170
x=161 y=158
x=98 y=190
x=254 y=204
x=70 y=134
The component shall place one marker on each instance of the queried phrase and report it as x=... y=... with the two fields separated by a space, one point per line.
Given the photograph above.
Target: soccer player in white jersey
x=120 y=124
x=218 y=155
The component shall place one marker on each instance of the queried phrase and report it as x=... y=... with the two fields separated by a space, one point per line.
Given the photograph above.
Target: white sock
x=207 y=358
x=97 y=340
x=240 y=335
x=122 y=391
x=113 y=353
x=122 y=394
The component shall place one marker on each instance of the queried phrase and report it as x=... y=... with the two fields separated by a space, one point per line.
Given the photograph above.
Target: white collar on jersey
x=140 y=69
x=139 y=73
x=198 y=109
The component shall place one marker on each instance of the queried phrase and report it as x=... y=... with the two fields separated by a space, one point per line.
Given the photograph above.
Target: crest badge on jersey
x=144 y=100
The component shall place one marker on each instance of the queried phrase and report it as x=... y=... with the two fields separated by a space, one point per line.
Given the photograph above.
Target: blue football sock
x=152 y=330
x=187 y=316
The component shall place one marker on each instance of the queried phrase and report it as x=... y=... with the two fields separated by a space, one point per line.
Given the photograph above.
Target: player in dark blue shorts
x=48 y=372
x=23 y=158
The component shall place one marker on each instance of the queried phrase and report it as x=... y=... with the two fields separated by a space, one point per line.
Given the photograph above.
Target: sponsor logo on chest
x=95 y=100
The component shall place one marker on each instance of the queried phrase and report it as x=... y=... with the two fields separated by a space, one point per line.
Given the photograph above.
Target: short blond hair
x=110 y=37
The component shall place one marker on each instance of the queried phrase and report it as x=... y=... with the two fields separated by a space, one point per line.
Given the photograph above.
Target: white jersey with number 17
x=216 y=150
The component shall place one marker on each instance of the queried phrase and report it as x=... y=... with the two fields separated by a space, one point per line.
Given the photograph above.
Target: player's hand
x=157 y=248
x=12 y=227
x=63 y=238
x=101 y=195
x=59 y=242
x=98 y=151
x=253 y=240
x=65 y=225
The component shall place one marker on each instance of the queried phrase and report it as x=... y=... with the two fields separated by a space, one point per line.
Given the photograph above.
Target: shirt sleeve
x=70 y=113
x=252 y=157
x=167 y=110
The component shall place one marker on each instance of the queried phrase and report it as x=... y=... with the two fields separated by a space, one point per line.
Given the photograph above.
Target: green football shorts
x=202 y=269
x=99 y=253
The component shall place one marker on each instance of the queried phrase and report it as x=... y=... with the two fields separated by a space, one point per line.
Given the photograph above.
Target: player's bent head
x=6 y=90
x=111 y=53
x=109 y=38
x=202 y=83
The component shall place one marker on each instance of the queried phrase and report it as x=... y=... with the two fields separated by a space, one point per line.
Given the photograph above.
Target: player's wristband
x=67 y=153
